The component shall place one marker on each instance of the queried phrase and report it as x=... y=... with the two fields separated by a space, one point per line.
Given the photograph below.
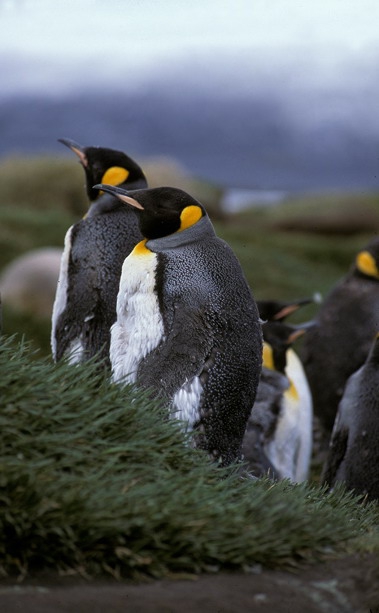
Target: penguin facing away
x=285 y=410
x=95 y=248
x=353 y=456
x=347 y=322
x=102 y=165
x=187 y=323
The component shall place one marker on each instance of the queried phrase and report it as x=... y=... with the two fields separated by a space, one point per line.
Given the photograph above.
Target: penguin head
x=278 y=338
x=109 y=166
x=275 y=310
x=162 y=210
x=367 y=261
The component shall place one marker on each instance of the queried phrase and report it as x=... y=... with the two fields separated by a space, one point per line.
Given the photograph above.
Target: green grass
x=288 y=264
x=95 y=479
x=23 y=229
x=44 y=184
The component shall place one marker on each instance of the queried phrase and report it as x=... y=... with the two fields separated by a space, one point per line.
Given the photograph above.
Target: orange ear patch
x=189 y=216
x=366 y=264
x=115 y=175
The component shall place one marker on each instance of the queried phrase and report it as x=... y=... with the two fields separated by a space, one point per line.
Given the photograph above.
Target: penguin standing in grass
x=187 y=324
x=347 y=322
x=353 y=457
x=262 y=424
x=278 y=438
x=95 y=248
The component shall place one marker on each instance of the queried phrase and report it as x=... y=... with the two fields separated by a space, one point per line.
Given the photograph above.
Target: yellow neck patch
x=115 y=175
x=268 y=357
x=141 y=249
x=189 y=216
x=268 y=362
x=366 y=264
x=292 y=392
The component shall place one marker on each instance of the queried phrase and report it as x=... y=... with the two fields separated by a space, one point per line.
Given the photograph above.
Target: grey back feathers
x=94 y=253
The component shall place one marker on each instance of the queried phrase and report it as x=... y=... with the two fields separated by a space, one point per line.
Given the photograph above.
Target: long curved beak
x=120 y=193
x=291 y=308
x=300 y=329
x=76 y=148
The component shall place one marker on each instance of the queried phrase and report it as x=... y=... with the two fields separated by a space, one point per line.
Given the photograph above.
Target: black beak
x=76 y=148
x=71 y=144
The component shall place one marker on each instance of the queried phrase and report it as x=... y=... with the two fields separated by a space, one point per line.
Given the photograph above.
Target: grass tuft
x=94 y=479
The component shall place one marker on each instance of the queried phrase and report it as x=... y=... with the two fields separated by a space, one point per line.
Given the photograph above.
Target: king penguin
x=279 y=429
x=353 y=456
x=95 y=248
x=347 y=322
x=187 y=324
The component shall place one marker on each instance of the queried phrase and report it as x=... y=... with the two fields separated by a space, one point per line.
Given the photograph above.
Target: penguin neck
x=201 y=229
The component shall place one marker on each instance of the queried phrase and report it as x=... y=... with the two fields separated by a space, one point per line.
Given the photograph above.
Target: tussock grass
x=43 y=184
x=22 y=230
x=95 y=479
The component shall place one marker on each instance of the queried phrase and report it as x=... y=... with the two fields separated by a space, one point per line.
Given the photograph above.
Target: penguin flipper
x=183 y=353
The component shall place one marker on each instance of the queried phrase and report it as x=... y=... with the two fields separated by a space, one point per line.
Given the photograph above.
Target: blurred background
x=248 y=93
x=270 y=107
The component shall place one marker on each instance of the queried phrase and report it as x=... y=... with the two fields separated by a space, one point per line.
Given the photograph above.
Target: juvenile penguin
x=282 y=415
x=95 y=248
x=262 y=424
x=187 y=323
x=354 y=451
x=347 y=321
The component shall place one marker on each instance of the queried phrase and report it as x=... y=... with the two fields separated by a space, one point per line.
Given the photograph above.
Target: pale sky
x=45 y=40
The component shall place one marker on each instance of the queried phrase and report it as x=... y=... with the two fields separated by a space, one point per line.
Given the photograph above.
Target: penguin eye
x=115 y=175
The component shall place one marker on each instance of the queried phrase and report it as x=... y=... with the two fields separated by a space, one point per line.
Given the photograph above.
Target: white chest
x=186 y=402
x=61 y=293
x=139 y=326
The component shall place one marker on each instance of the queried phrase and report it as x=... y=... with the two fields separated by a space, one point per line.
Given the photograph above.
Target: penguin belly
x=75 y=350
x=139 y=326
x=296 y=374
x=283 y=450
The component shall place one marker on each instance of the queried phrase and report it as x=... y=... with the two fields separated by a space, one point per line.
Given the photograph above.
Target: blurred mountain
x=245 y=137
